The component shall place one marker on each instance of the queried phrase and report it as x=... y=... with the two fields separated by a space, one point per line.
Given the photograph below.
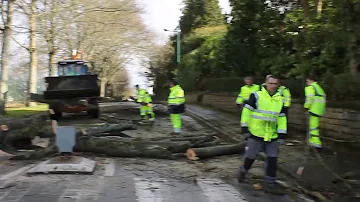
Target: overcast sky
x=160 y=15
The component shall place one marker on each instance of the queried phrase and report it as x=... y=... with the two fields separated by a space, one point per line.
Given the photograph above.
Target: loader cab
x=72 y=68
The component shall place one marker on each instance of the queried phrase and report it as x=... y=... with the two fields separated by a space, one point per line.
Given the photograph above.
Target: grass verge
x=23 y=111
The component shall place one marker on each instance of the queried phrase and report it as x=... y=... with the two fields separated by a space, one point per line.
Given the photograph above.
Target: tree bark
x=97 y=140
x=33 y=53
x=20 y=123
x=351 y=50
x=103 y=82
x=206 y=152
x=51 y=40
x=306 y=7
x=318 y=7
x=5 y=52
x=52 y=64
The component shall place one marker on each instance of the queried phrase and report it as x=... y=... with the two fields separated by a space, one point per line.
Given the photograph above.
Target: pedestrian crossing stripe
x=214 y=190
x=218 y=191
x=148 y=191
x=131 y=186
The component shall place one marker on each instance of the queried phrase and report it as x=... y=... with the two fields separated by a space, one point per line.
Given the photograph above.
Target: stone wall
x=337 y=123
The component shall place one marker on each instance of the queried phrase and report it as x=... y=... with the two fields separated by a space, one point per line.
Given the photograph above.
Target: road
x=134 y=179
x=127 y=180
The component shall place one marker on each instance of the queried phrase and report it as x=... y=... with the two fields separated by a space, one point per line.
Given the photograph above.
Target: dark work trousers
x=253 y=148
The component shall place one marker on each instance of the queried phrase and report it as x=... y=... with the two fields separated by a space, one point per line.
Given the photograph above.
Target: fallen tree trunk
x=123 y=148
x=192 y=139
x=39 y=154
x=21 y=138
x=109 y=130
x=174 y=147
x=206 y=152
x=107 y=140
x=207 y=144
x=24 y=122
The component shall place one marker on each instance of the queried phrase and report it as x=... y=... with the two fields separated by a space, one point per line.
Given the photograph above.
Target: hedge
x=342 y=87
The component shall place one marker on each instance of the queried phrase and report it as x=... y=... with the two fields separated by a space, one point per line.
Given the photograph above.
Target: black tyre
x=94 y=113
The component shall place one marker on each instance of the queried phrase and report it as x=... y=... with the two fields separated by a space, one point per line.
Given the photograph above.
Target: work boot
x=241 y=176
x=273 y=188
x=174 y=133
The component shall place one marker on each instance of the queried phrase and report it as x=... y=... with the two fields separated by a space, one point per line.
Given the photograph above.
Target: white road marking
x=109 y=168
x=17 y=172
x=149 y=190
x=89 y=190
x=218 y=191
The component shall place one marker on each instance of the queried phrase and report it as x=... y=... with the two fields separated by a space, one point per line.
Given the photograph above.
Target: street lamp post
x=178 y=32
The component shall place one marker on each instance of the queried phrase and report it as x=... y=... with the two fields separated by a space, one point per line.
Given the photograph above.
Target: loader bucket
x=37 y=97
x=67 y=87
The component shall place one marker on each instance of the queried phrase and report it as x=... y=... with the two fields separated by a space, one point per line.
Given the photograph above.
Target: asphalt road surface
x=125 y=180
x=131 y=179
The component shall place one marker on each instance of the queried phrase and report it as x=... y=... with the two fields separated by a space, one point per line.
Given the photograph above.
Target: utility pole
x=178 y=43
x=178 y=54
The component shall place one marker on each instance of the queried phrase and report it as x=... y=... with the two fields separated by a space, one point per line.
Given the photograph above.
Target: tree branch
x=27 y=48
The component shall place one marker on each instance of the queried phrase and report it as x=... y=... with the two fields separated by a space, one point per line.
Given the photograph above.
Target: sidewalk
x=316 y=176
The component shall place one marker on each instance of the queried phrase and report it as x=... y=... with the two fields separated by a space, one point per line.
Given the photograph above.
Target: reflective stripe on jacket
x=285 y=92
x=141 y=93
x=264 y=115
x=245 y=92
x=176 y=96
x=315 y=99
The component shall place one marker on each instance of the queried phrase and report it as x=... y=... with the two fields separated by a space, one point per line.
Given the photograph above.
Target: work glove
x=245 y=132
x=238 y=106
x=53 y=115
x=170 y=109
x=143 y=103
x=281 y=140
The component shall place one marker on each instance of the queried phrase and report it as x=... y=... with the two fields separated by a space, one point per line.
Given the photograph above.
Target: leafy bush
x=341 y=87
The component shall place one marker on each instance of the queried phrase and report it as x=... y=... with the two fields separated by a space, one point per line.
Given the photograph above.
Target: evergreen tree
x=200 y=13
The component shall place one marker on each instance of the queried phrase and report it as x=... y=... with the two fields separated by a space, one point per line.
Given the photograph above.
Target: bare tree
x=7 y=16
x=109 y=34
x=33 y=52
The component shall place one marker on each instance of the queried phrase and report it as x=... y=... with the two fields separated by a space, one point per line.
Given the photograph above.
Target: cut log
x=123 y=148
x=97 y=140
x=13 y=139
x=206 y=152
x=207 y=144
x=115 y=147
x=23 y=122
x=193 y=139
x=110 y=130
x=199 y=142
x=174 y=147
x=35 y=154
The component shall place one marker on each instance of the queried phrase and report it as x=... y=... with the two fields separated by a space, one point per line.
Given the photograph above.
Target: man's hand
x=170 y=109
x=52 y=115
x=245 y=132
x=281 y=140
